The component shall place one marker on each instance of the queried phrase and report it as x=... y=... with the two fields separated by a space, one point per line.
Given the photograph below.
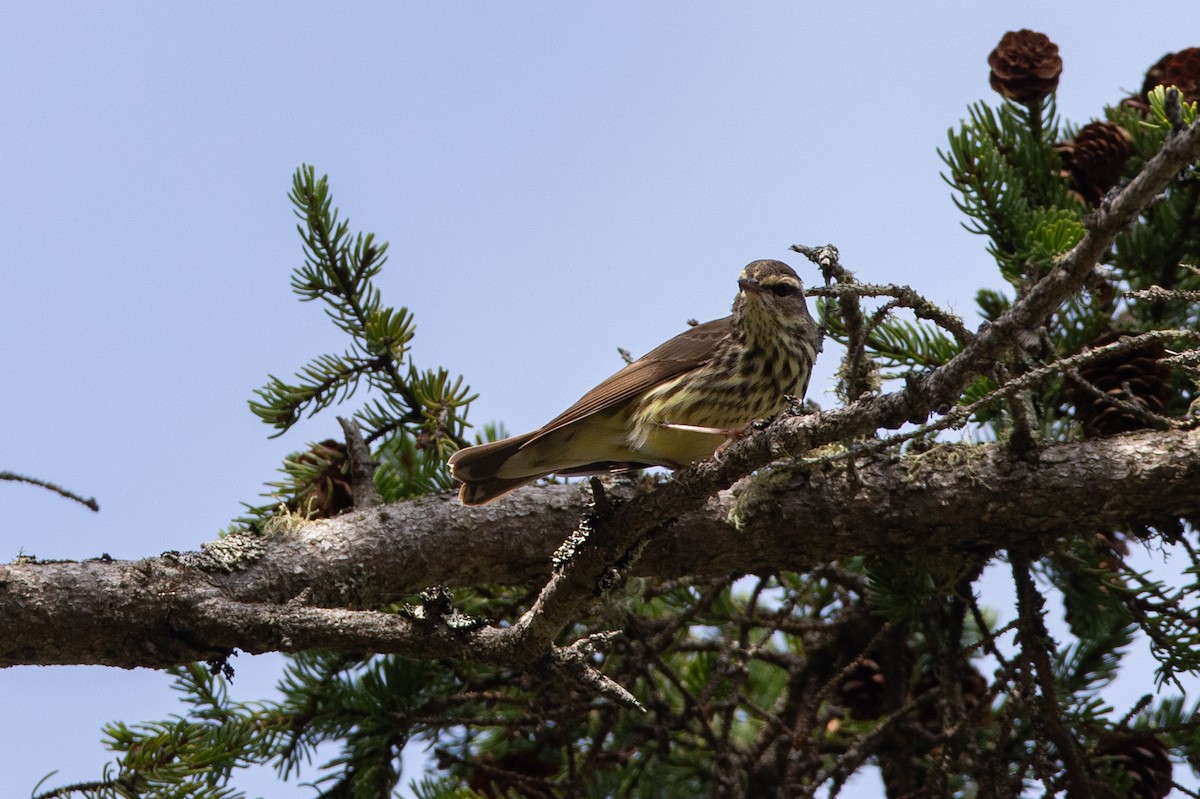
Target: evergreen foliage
x=415 y=417
x=746 y=681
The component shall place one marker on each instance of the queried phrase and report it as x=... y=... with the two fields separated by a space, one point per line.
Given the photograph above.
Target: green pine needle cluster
x=1004 y=172
x=414 y=418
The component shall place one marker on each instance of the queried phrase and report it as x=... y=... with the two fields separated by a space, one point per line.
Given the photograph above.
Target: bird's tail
x=481 y=492
x=476 y=468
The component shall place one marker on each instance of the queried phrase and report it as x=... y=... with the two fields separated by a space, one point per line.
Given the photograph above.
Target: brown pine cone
x=330 y=493
x=1180 y=69
x=1140 y=369
x=1025 y=66
x=972 y=685
x=1093 y=160
x=861 y=692
x=1143 y=758
x=521 y=773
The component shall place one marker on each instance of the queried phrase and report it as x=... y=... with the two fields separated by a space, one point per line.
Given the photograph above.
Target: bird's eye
x=784 y=290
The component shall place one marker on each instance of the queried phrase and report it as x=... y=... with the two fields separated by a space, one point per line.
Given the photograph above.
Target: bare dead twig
x=89 y=503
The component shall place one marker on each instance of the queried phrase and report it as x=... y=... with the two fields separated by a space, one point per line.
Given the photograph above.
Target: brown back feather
x=683 y=353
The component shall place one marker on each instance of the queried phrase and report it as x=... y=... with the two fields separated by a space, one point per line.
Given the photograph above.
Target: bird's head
x=770 y=277
x=770 y=289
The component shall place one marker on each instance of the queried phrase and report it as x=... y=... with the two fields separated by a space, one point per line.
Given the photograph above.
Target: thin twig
x=864 y=747
x=1024 y=433
x=905 y=297
x=20 y=478
x=1134 y=408
x=1036 y=645
x=1138 y=707
x=959 y=415
x=806 y=720
x=853 y=376
x=1160 y=294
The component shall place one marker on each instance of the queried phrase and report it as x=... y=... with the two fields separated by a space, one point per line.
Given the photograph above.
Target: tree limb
x=298 y=590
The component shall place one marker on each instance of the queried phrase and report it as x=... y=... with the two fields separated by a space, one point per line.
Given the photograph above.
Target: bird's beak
x=750 y=286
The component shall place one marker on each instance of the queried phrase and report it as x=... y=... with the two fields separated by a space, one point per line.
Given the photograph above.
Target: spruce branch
x=416 y=418
x=862 y=749
x=338 y=270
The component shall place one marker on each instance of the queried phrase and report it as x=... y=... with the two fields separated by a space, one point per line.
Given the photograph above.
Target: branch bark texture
x=298 y=590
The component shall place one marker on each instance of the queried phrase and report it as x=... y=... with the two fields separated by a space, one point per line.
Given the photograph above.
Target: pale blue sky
x=556 y=180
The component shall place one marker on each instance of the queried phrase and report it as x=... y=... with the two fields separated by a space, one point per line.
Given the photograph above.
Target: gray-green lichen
x=566 y=551
x=285 y=521
x=765 y=484
x=229 y=554
x=955 y=458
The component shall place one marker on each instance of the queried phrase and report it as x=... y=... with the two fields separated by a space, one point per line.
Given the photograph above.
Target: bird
x=674 y=406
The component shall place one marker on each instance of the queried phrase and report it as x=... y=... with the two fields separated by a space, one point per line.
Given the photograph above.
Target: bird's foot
x=731 y=436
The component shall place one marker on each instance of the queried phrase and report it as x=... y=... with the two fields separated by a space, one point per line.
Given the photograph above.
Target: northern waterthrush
x=674 y=406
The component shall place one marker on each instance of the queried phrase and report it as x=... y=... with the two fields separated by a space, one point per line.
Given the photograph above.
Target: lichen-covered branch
x=299 y=589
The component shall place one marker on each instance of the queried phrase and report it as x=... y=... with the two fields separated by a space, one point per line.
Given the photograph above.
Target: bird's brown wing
x=683 y=353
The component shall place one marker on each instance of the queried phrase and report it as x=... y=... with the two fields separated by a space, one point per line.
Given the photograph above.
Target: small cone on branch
x=330 y=493
x=972 y=685
x=516 y=773
x=1025 y=66
x=1180 y=69
x=861 y=692
x=1140 y=370
x=1094 y=159
x=1144 y=760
